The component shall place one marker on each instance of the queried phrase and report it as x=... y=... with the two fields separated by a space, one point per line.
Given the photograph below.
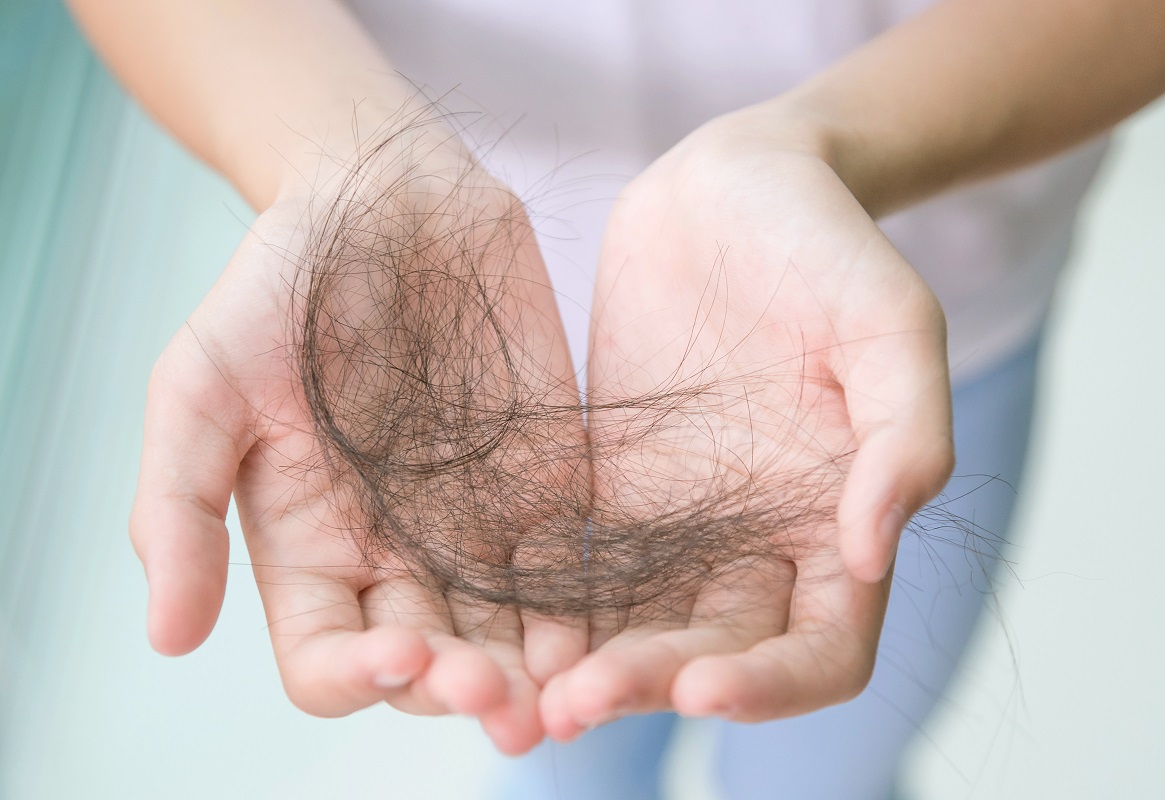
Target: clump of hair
x=422 y=351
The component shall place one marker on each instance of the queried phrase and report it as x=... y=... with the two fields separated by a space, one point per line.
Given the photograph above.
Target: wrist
x=367 y=142
x=800 y=122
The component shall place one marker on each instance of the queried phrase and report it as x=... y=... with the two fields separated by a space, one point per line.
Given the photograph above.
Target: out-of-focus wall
x=1063 y=695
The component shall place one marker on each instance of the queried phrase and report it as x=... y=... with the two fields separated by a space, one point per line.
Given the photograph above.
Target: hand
x=352 y=621
x=813 y=362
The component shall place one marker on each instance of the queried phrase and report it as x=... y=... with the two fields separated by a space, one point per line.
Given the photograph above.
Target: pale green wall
x=109 y=234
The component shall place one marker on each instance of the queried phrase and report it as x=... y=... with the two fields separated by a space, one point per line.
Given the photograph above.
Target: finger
x=512 y=723
x=196 y=433
x=341 y=646
x=552 y=645
x=514 y=727
x=827 y=656
x=555 y=643
x=897 y=390
x=347 y=632
x=462 y=678
x=334 y=674
x=330 y=664
x=633 y=679
x=633 y=674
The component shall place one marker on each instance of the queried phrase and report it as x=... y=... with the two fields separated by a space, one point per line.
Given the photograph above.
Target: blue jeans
x=942 y=583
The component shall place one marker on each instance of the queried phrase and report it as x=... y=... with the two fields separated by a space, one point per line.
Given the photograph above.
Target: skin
x=849 y=345
x=226 y=413
x=259 y=88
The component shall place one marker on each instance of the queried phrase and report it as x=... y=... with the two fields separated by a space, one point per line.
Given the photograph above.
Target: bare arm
x=972 y=88
x=253 y=88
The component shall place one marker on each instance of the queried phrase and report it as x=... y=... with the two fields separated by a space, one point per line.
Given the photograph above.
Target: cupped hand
x=805 y=368
x=352 y=623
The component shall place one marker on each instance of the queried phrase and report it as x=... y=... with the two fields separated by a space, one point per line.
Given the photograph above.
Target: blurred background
x=110 y=235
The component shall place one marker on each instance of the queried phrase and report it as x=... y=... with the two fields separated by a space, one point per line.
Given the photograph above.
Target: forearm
x=257 y=88
x=972 y=88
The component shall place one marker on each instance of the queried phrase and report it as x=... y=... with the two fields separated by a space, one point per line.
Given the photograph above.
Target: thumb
x=897 y=390
x=195 y=437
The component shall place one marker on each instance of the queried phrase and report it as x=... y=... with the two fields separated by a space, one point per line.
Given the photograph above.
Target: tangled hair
x=427 y=344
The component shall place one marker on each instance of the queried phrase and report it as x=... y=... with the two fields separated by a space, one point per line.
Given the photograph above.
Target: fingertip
x=187 y=577
x=337 y=672
x=514 y=740
x=699 y=688
x=516 y=727
x=466 y=681
x=894 y=474
x=394 y=657
x=172 y=635
x=868 y=550
x=557 y=722
x=599 y=690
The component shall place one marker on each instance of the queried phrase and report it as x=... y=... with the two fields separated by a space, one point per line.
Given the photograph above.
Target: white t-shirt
x=590 y=93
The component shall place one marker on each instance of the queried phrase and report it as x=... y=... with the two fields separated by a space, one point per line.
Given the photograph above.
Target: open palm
x=787 y=382
x=351 y=620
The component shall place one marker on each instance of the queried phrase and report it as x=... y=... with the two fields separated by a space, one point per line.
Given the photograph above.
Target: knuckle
x=855 y=678
x=137 y=531
x=937 y=465
x=163 y=371
x=855 y=655
x=304 y=696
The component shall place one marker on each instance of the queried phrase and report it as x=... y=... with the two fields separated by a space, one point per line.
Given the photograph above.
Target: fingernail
x=890 y=530
x=387 y=680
